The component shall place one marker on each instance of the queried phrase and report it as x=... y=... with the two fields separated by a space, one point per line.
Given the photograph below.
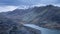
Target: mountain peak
x=49 y=6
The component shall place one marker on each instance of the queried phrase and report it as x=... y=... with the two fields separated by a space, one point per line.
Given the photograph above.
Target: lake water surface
x=43 y=30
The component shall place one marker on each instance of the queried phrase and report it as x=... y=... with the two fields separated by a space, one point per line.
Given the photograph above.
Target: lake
x=43 y=30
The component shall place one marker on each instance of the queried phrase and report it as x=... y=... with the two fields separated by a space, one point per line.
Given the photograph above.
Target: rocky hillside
x=44 y=16
x=8 y=26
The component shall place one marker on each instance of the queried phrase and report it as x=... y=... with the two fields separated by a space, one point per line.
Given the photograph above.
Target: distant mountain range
x=38 y=15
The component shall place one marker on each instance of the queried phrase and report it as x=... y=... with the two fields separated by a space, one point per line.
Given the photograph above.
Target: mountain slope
x=45 y=16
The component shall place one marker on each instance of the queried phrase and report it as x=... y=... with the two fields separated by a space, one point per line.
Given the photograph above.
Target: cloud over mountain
x=28 y=2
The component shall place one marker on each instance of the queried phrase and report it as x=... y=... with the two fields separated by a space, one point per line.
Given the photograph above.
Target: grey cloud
x=28 y=2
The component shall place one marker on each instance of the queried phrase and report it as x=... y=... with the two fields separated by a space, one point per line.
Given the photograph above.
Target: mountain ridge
x=38 y=15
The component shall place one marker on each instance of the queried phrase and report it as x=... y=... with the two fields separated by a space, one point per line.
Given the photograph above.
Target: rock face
x=25 y=30
x=33 y=31
x=8 y=26
x=15 y=29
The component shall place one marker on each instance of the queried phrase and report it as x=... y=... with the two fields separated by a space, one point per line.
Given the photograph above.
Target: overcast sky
x=28 y=2
x=8 y=5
